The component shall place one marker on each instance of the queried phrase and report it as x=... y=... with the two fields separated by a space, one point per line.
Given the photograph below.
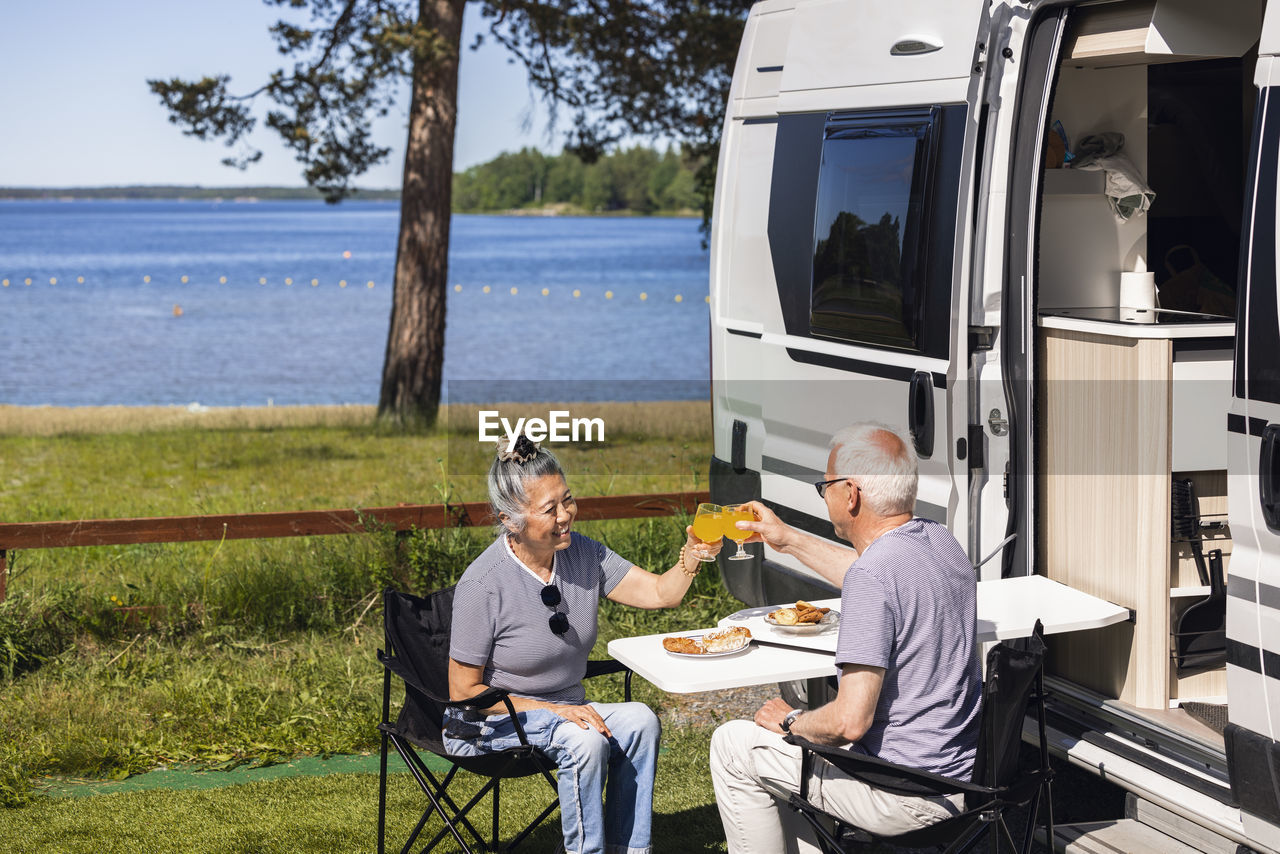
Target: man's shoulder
x=916 y=543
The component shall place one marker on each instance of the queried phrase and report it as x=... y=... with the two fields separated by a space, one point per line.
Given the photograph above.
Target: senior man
x=909 y=679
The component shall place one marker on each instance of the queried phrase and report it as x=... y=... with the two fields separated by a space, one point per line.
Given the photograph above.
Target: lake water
x=116 y=337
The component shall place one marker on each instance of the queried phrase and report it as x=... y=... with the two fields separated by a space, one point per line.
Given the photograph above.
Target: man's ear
x=855 y=499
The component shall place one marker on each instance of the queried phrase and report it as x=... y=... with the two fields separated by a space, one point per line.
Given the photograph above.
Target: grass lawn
x=338 y=813
x=116 y=660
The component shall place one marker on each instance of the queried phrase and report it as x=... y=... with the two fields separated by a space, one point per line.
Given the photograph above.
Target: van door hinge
x=996 y=421
x=981 y=338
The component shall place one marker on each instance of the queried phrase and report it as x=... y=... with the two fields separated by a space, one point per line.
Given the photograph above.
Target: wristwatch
x=790 y=719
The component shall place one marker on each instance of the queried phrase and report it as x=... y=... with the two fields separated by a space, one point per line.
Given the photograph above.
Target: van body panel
x=982 y=83
x=1253 y=434
x=825 y=29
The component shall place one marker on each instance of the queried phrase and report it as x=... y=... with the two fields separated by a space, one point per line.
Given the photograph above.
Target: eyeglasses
x=559 y=621
x=822 y=485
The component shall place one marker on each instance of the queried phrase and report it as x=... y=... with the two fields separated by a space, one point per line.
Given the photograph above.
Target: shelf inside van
x=1184 y=592
x=1150 y=31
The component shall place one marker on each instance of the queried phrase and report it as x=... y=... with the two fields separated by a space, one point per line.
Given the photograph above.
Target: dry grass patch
x=652 y=418
x=87 y=420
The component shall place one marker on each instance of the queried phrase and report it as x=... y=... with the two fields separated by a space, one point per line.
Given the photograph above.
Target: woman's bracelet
x=684 y=567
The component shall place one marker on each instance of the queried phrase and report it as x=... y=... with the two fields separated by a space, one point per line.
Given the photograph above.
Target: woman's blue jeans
x=605 y=784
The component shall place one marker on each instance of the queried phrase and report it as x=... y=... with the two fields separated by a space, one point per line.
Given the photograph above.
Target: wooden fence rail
x=306 y=523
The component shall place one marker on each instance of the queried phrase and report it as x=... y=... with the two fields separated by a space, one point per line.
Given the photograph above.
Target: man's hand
x=822 y=556
x=771 y=714
x=767 y=528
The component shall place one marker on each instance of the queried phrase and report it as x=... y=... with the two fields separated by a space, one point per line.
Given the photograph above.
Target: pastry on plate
x=685 y=646
x=785 y=616
x=726 y=640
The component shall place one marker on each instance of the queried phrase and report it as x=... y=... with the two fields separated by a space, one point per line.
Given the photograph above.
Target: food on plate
x=685 y=646
x=804 y=612
x=721 y=640
x=810 y=613
x=726 y=640
x=786 y=616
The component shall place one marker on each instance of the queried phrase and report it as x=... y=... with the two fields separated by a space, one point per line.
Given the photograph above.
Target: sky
x=75 y=110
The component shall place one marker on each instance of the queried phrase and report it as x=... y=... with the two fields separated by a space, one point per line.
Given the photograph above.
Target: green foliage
x=639 y=180
x=348 y=60
x=35 y=628
x=219 y=697
x=659 y=68
x=648 y=70
x=335 y=813
x=114 y=659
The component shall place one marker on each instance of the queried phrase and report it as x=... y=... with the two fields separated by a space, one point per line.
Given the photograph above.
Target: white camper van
x=1043 y=236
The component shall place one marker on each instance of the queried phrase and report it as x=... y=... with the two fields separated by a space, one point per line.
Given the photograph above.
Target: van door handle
x=1269 y=476
x=920 y=412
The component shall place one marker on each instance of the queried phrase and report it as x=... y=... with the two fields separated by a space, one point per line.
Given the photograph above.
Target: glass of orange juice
x=708 y=526
x=737 y=513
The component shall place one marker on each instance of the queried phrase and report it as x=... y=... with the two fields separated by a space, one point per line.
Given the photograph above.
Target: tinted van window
x=870 y=229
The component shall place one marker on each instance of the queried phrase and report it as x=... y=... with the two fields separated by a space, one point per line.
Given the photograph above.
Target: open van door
x=840 y=256
x=1253 y=584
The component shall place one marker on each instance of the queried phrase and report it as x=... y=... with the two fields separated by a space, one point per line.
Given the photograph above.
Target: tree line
x=638 y=179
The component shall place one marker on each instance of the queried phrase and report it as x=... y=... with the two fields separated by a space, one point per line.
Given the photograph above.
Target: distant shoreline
x=255 y=195
x=133 y=193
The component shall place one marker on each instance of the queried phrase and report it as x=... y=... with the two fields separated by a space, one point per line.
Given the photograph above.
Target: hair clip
x=520 y=453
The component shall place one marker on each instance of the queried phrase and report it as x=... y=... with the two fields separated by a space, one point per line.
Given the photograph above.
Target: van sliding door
x=1253 y=453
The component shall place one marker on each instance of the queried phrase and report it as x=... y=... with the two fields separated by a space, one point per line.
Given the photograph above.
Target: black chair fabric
x=1014 y=682
x=416 y=632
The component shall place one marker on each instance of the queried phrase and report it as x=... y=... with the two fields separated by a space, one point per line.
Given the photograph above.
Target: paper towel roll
x=1138 y=290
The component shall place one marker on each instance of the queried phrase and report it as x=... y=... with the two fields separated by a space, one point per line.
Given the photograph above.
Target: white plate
x=707 y=654
x=829 y=621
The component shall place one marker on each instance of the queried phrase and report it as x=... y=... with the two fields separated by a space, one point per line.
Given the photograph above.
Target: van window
x=872 y=207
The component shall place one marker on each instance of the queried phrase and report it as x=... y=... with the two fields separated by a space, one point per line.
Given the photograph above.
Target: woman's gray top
x=499 y=620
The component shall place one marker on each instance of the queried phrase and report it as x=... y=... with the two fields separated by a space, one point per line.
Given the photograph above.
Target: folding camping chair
x=1015 y=678
x=416 y=632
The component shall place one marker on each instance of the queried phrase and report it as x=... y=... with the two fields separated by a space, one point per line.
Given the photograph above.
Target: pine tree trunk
x=413 y=369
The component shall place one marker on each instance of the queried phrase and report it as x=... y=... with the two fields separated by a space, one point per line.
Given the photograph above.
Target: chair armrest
x=877 y=772
x=486 y=698
x=602 y=667
x=491 y=697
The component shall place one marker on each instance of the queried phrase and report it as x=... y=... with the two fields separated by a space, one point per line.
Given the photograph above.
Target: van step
x=1125 y=835
x=1171 y=824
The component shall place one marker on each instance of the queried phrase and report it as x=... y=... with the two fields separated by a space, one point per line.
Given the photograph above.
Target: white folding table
x=1007 y=608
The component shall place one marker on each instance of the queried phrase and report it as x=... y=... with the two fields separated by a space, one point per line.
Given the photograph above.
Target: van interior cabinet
x=1110 y=437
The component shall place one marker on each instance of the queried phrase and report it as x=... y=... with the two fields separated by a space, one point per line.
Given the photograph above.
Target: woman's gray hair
x=506 y=484
x=883 y=462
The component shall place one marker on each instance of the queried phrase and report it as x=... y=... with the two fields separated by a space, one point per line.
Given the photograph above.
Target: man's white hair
x=883 y=462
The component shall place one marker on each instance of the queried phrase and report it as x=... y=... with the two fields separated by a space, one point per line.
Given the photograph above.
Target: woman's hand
x=701 y=547
x=583 y=716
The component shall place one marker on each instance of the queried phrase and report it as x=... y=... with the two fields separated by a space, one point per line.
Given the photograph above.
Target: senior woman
x=525 y=619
